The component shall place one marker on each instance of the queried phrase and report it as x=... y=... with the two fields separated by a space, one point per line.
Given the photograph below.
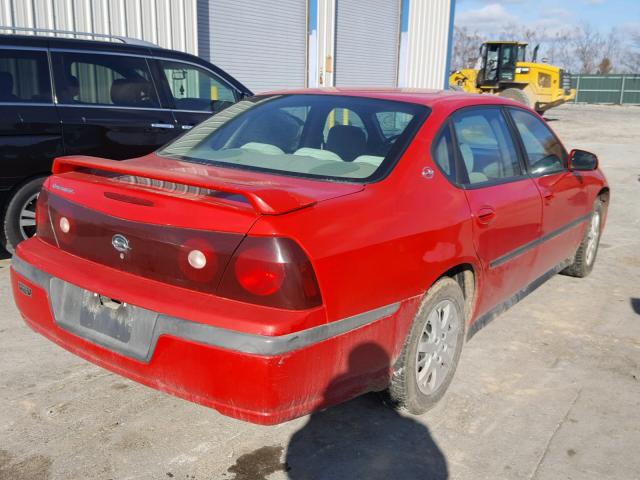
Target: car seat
x=6 y=87
x=467 y=156
x=347 y=141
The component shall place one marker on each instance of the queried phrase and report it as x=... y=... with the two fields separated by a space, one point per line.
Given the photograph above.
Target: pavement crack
x=534 y=474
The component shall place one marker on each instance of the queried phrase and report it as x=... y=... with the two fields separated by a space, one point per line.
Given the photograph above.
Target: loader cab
x=498 y=62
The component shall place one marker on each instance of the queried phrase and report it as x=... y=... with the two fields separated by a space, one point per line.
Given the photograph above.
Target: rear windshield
x=327 y=136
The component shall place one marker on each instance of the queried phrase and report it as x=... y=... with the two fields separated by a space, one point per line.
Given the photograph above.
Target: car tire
x=585 y=256
x=429 y=358
x=517 y=95
x=21 y=210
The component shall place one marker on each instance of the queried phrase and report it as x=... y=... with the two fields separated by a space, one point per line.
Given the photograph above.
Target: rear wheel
x=431 y=352
x=20 y=215
x=585 y=256
x=517 y=95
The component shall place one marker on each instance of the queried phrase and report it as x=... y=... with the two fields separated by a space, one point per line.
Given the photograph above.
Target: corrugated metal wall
x=427 y=43
x=168 y=23
x=261 y=43
x=367 y=42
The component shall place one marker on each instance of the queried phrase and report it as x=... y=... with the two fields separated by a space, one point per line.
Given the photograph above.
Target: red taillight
x=257 y=273
x=271 y=271
x=43 y=222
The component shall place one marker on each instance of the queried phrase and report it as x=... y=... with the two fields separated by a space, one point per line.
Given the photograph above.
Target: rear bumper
x=264 y=379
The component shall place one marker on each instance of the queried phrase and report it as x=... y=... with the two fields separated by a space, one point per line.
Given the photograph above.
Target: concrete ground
x=549 y=390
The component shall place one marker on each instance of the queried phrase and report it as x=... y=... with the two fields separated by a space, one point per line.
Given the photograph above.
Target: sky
x=486 y=16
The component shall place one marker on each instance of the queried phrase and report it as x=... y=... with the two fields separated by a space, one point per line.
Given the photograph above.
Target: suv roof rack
x=92 y=36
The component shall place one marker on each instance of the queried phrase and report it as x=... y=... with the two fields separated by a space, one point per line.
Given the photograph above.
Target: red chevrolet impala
x=242 y=265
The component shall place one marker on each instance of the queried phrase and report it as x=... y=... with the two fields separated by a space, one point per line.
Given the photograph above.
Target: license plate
x=111 y=323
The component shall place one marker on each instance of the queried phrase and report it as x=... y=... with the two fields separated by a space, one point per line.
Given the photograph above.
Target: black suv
x=64 y=96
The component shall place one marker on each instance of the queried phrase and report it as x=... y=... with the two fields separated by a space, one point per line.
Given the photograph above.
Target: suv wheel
x=20 y=215
x=431 y=352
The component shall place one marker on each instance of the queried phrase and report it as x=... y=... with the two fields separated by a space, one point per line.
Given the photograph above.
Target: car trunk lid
x=148 y=216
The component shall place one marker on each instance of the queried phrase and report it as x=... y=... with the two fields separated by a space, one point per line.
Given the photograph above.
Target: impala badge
x=120 y=243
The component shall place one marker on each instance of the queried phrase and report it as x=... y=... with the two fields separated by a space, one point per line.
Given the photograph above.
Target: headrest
x=347 y=141
x=130 y=92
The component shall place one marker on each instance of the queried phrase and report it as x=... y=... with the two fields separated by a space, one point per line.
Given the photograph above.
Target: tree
x=605 y=66
x=587 y=46
x=466 y=45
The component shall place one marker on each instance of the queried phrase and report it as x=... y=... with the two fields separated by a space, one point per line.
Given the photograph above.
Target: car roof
x=427 y=97
x=146 y=49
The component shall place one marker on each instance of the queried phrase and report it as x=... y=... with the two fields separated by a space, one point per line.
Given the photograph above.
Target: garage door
x=367 y=36
x=261 y=43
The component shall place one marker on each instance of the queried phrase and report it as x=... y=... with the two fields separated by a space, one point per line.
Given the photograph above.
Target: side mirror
x=582 y=160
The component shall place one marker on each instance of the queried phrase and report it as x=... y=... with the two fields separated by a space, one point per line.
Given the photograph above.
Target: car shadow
x=635 y=305
x=363 y=438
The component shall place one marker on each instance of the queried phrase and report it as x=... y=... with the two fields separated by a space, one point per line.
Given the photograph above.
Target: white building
x=270 y=44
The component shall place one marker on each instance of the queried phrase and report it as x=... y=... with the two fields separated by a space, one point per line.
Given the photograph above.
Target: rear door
x=30 y=132
x=565 y=204
x=192 y=92
x=504 y=201
x=109 y=105
x=29 y=125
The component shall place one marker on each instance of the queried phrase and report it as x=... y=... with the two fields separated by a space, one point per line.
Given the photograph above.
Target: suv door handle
x=163 y=125
x=486 y=215
x=187 y=127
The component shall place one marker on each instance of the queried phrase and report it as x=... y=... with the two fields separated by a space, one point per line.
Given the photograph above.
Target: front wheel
x=431 y=352
x=20 y=215
x=517 y=95
x=585 y=256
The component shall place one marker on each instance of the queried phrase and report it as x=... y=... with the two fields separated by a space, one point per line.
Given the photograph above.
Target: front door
x=193 y=93
x=504 y=202
x=565 y=207
x=109 y=106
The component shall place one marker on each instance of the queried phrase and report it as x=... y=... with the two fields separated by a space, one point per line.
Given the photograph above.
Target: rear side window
x=24 y=77
x=485 y=145
x=443 y=153
x=96 y=79
x=545 y=154
x=194 y=88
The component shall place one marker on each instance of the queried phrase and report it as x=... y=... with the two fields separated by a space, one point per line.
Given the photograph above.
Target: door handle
x=187 y=127
x=163 y=125
x=547 y=194
x=486 y=215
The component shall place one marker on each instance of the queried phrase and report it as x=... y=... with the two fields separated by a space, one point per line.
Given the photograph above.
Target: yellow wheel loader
x=502 y=70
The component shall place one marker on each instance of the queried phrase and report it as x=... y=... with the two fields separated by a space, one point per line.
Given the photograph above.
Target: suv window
x=114 y=80
x=195 y=88
x=544 y=152
x=24 y=77
x=486 y=145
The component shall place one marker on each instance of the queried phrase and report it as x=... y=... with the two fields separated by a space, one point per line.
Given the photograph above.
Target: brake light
x=271 y=271
x=43 y=222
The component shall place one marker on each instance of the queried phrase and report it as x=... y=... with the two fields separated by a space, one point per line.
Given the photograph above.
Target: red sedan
x=242 y=265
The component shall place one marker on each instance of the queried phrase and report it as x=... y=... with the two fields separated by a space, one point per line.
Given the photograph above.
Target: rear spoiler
x=264 y=200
